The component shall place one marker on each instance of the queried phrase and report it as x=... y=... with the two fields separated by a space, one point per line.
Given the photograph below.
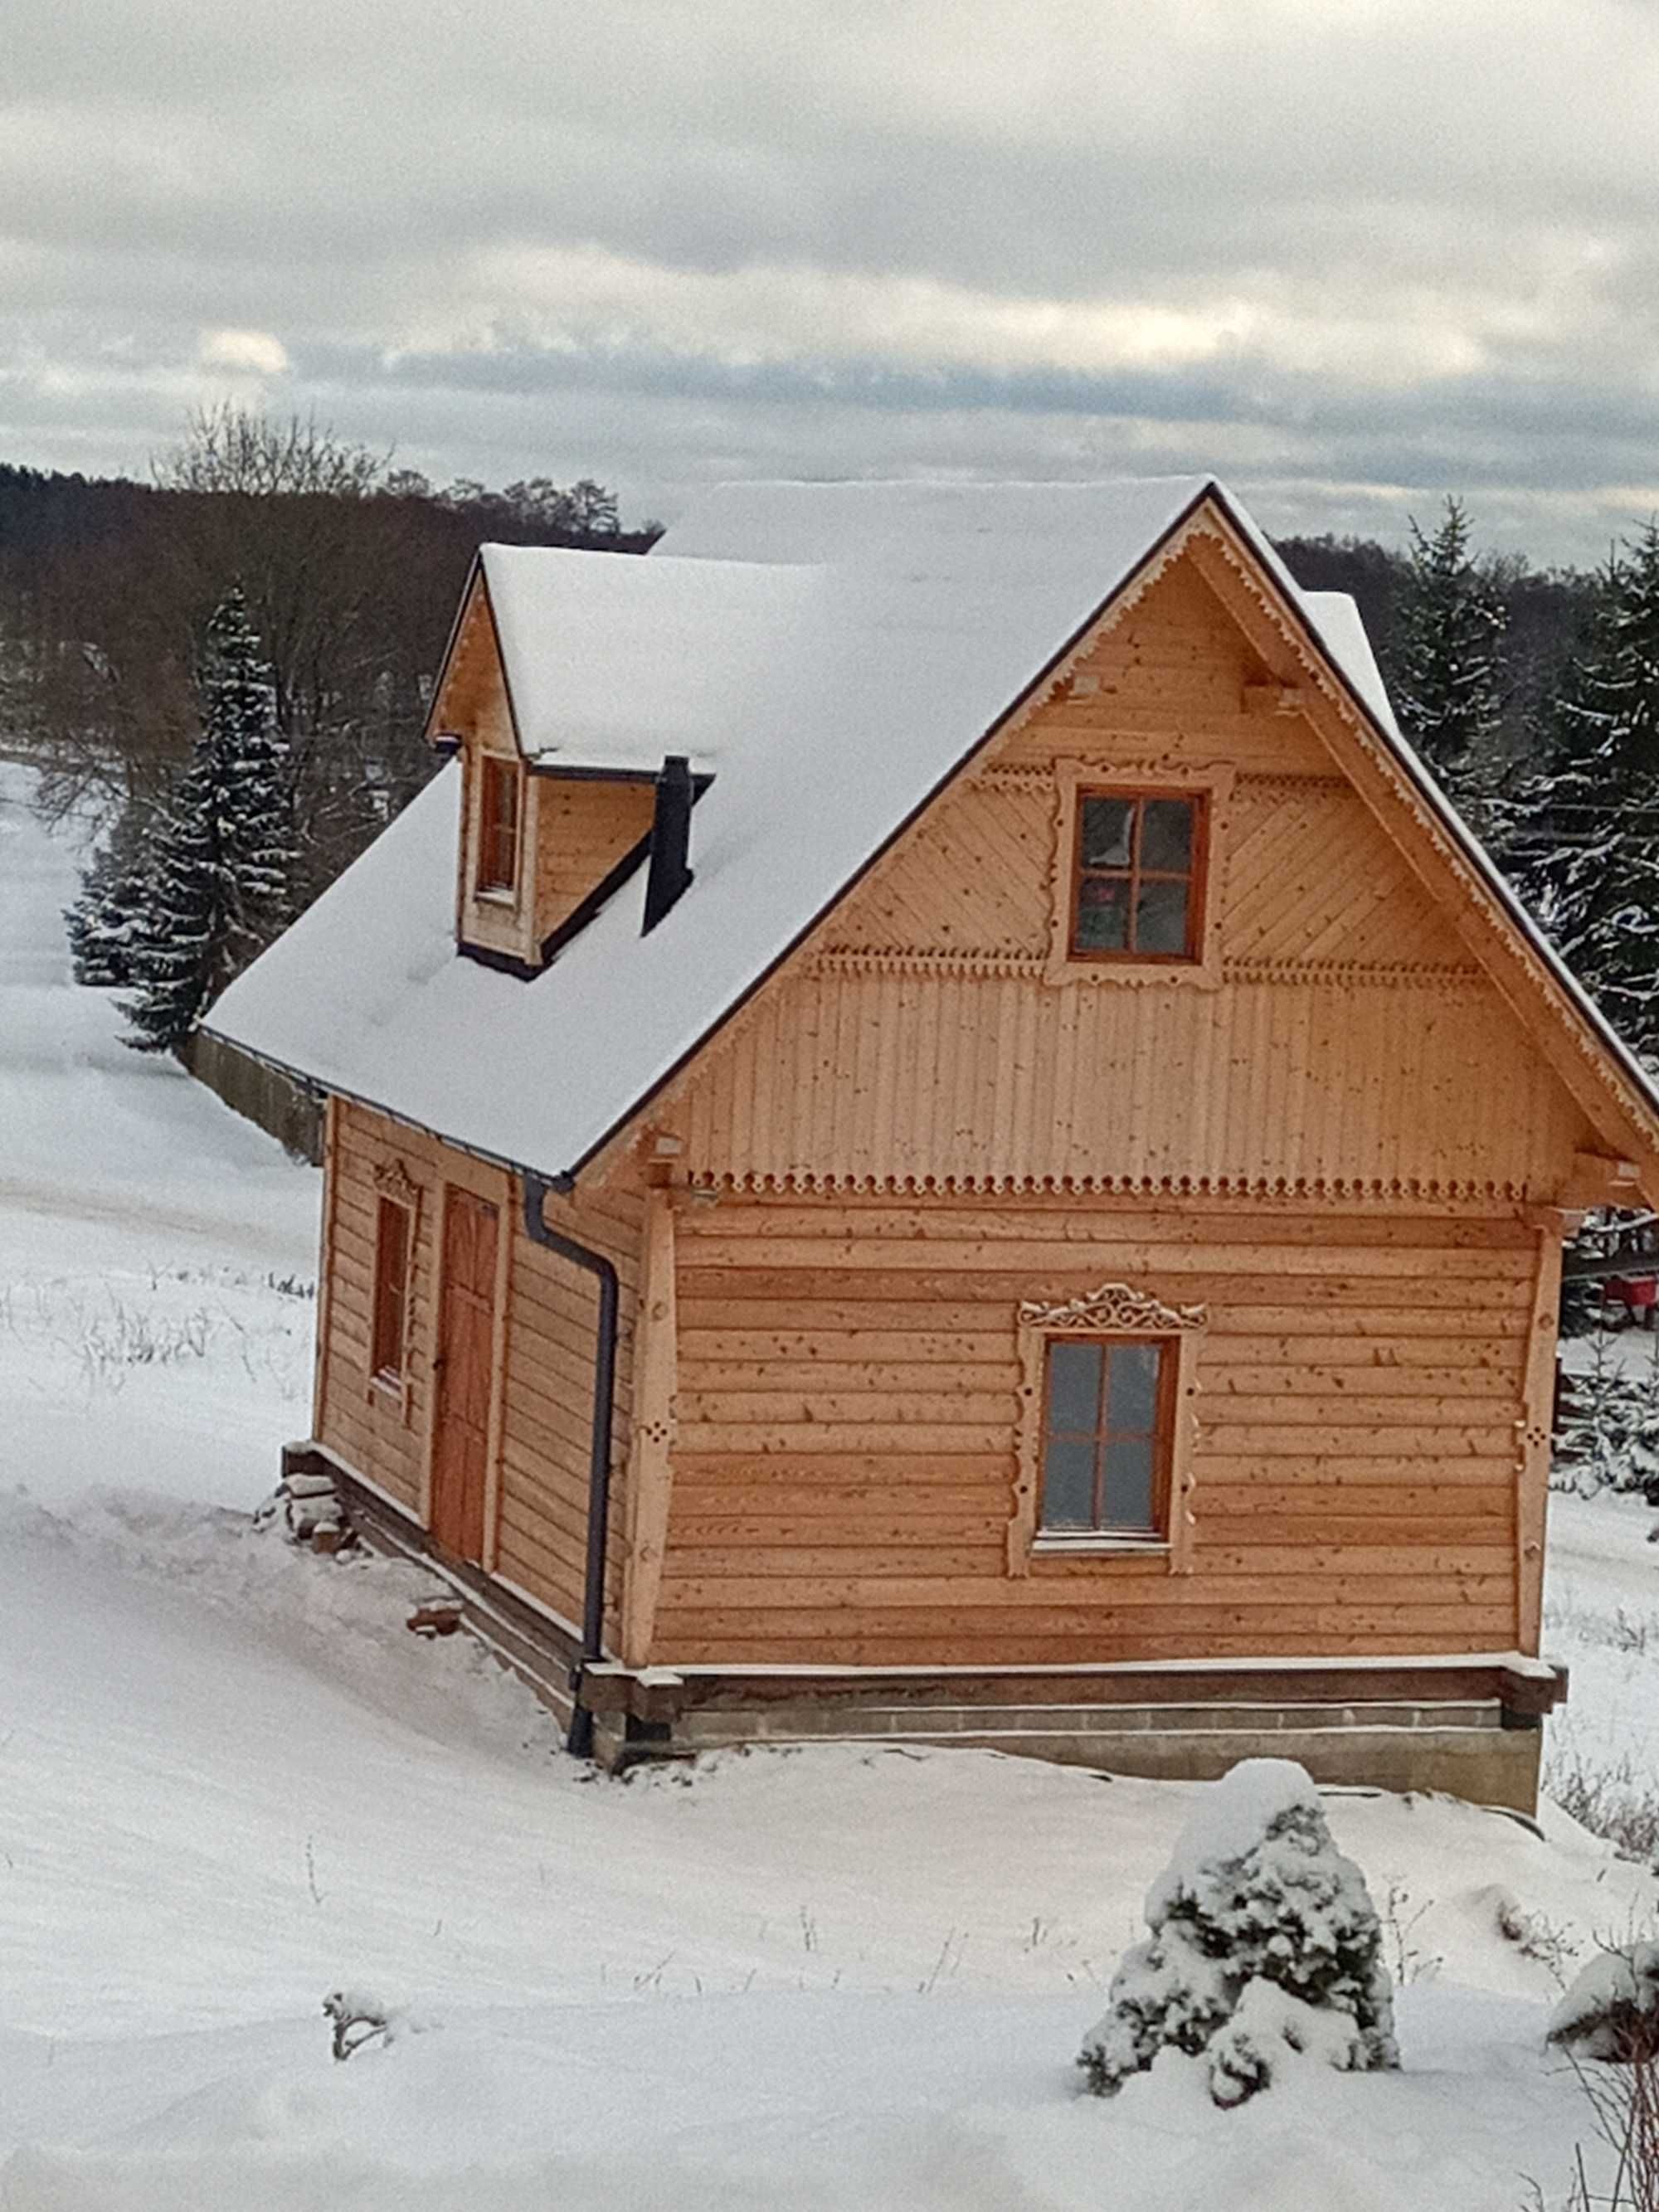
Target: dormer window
x=498 y=827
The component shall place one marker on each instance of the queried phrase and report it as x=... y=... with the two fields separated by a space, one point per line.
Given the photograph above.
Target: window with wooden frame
x=1137 y=881
x=1104 y=1452
x=499 y=782
x=1108 y=1427
x=393 y=1242
x=1137 y=875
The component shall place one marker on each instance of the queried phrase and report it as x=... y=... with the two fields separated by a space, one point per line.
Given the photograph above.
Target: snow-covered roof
x=612 y=662
x=831 y=653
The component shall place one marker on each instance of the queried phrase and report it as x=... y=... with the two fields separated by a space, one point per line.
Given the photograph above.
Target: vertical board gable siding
x=844 y=1465
x=916 y=1043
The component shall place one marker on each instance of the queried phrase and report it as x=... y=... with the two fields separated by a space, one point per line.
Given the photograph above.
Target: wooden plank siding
x=582 y=829
x=844 y=1458
x=378 y=1433
x=551 y=1338
x=1352 y=1048
x=536 y=1525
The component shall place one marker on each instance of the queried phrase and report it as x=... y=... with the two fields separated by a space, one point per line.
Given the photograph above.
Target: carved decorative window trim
x=1116 y=1310
x=393 y=1182
x=1073 y=778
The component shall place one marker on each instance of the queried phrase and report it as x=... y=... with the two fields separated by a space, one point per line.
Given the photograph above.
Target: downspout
x=536 y=1188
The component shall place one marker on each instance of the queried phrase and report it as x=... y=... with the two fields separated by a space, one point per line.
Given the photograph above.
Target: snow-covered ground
x=230 y=1782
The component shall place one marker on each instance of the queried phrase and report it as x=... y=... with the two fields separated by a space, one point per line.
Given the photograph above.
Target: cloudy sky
x=1350 y=255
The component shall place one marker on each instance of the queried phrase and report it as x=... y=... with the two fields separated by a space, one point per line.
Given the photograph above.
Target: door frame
x=496 y=1190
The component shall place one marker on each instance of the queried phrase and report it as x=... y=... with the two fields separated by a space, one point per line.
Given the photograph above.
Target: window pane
x=1161 y=918
x=1129 y=1484
x=1132 y=1391
x=391 y=1289
x=498 y=827
x=1166 y=833
x=1103 y=912
x=1074 y=1388
x=1107 y=827
x=1068 y=1486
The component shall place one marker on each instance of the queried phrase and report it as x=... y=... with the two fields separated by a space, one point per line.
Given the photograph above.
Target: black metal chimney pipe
x=669 y=877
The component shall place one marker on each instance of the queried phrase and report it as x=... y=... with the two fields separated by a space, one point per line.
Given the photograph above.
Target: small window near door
x=1107 y=1431
x=388 y=1353
x=498 y=826
x=1137 y=876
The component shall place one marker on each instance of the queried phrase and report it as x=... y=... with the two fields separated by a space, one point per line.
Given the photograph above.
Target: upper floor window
x=1107 y=1433
x=498 y=824
x=1137 y=875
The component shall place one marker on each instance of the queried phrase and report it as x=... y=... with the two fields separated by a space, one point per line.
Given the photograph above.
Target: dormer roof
x=833 y=654
x=611 y=661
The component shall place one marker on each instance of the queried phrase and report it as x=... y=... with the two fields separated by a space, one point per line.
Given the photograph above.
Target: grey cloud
x=1400 y=248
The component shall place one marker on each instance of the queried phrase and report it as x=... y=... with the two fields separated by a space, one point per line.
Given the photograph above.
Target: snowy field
x=230 y=1782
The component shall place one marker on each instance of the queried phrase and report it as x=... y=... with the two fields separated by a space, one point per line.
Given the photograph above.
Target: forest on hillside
x=227 y=670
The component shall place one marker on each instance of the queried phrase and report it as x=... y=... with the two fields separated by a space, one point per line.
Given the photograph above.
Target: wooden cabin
x=934 y=1134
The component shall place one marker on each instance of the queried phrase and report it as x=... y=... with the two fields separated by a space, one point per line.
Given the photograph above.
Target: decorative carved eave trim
x=392 y=1180
x=1584 y=1063
x=996 y=961
x=1115 y=1309
x=1274 y=629
x=1409 y=1194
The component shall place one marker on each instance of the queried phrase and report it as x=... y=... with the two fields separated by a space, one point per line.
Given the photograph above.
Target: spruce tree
x=222 y=850
x=1606 y=1430
x=1264 y=1945
x=108 y=915
x=1448 y=694
x=1584 y=847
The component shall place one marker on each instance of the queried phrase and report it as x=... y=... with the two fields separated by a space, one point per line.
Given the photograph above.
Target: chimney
x=669 y=876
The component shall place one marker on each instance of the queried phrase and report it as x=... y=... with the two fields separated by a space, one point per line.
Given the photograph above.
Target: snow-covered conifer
x=222 y=849
x=1449 y=692
x=1264 y=1943
x=109 y=914
x=1583 y=843
x=1606 y=1430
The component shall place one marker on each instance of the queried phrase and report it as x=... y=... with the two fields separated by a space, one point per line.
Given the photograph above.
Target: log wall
x=844 y=1462
x=536 y=1499
x=552 y=1329
x=582 y=829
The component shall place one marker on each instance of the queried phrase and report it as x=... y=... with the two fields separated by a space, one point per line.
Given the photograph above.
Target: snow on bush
x=1264 y=1944
x=1606 y=1433
x=1612 y=2010
x=356 y=2018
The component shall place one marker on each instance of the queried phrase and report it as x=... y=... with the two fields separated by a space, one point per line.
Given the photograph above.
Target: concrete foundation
x=1471 y=1727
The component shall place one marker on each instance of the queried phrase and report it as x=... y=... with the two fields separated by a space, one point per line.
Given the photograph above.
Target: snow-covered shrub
x=1264 y=1943
x=1606 y=1431
x=1612 y=2010
x=356 y=2019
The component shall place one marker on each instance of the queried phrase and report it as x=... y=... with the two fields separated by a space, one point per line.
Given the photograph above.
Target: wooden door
x=466 y=1340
